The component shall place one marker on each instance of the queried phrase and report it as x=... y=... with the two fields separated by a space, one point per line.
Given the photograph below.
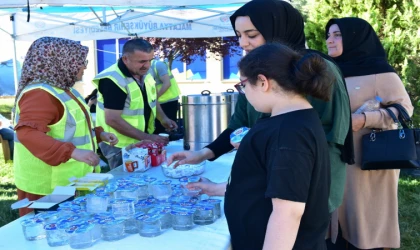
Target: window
x=194 y=71
x=121 y=43
x=230 y=65
x=105 y=53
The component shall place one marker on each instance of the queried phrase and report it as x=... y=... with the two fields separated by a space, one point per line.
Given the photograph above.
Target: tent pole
x=117 y=49
x=15 y=70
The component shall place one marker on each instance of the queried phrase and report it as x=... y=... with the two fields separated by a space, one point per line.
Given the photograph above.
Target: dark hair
x=137 y=44
x=304 y=75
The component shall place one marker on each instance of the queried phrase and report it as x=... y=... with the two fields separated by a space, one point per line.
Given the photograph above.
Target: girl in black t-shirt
x=277 y=194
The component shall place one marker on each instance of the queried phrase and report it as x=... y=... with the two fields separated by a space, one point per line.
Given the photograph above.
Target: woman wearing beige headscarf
x=54 y=131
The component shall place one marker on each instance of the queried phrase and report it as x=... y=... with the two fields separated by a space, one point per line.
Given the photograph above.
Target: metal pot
x=205 y=117
x=234 y=98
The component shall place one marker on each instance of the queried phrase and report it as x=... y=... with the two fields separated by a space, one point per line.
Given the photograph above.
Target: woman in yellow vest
x=55 y=138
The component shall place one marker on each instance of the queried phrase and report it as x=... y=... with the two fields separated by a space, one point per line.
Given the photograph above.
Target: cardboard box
x=135 y=159
x=88 y=183
x=49 y=202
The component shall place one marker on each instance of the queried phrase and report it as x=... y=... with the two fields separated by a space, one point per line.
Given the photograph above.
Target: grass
x=6 y=105
x=409 y=212
x=408 y=196
x=7 y=192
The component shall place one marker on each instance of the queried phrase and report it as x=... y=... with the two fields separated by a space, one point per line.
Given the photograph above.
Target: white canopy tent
x=87 y=20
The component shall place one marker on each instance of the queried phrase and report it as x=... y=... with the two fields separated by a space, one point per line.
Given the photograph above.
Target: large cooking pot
x=233 y=99
x=205 y=117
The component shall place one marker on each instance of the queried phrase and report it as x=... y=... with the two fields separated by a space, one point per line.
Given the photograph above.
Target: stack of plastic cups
x=204 y=215
x=182 y=219
x=124 y=208
x=161 y=189
x=149 y=225
x=143 y=206
x=216 y=204
x=80 y=235
x=97 y=231
x=56 y=235
x=112 y=228
x=97 y=203
x=128 y=191
x=165 y=215
x=48 y=216
x=33 y=229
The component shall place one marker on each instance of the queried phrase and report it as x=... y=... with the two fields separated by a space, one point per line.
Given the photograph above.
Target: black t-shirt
x=284 y=157
x=114 y=97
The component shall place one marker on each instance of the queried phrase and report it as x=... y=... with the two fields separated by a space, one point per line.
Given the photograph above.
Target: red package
x=156 y=152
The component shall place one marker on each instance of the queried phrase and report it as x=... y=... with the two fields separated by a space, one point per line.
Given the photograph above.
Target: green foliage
x=190 y=49
x=397 y=23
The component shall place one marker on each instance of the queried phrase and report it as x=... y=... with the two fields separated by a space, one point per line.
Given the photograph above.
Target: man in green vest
x=127 y=98
x=167 y=91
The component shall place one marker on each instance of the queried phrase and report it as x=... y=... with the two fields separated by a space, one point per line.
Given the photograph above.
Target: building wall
x=216 y=69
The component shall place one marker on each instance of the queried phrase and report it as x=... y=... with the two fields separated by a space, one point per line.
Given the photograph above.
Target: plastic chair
x=6 y=149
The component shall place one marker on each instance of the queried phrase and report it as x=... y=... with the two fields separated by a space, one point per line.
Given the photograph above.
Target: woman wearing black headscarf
x=265 y=21
x=368 y=216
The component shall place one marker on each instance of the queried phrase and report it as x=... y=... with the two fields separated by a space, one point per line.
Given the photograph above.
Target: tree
x=189 y=49
x=396 y=22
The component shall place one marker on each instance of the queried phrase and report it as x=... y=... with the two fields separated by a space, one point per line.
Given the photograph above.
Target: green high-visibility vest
x=133 y=112
x=34 y=176
x=173 y=92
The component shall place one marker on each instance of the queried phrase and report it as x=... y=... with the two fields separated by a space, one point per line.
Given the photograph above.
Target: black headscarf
x=276 y=20
x=363 y=53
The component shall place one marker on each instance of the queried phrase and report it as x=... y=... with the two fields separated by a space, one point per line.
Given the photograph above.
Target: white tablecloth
x=211 y=237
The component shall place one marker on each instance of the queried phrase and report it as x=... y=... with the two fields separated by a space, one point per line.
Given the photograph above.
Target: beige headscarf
x=54 y=61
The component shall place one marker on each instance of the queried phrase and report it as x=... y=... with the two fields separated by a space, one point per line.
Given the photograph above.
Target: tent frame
x=161 y=5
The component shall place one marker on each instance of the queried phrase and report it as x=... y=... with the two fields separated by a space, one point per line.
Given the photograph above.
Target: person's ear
x=264 y=82
x=124 y=58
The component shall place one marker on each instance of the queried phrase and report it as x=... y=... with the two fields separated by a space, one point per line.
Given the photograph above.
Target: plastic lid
x=111 y=221
x=187 y=212
x=194 y=179
x=185 y=204
x=32 y=221
x=46 y=215
x=162 y=182
x=151 y=199
x=80 y=228
x=102 y=216
x=213 y=201
x=126 y=188
x=194 y=200
x=51 y=226
x=149 y=179
x=183 y=179
x=203 y=207
x=70 y=218
x=122 y=201
x=148 y=217
x=143 y=204
x=93 y=220
x=155 y=210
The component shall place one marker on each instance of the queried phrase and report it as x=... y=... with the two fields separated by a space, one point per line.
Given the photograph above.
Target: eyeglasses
x=240 y=86
x=85 y=63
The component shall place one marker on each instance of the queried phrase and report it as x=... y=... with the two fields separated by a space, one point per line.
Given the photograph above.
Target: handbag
x=392 y=149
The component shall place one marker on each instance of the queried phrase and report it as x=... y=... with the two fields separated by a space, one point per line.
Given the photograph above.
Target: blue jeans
x=8 y=134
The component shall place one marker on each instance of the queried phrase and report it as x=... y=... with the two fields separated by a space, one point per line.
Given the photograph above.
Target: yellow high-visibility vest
x=133 y=112
x=34 y=176
x=173 y=92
